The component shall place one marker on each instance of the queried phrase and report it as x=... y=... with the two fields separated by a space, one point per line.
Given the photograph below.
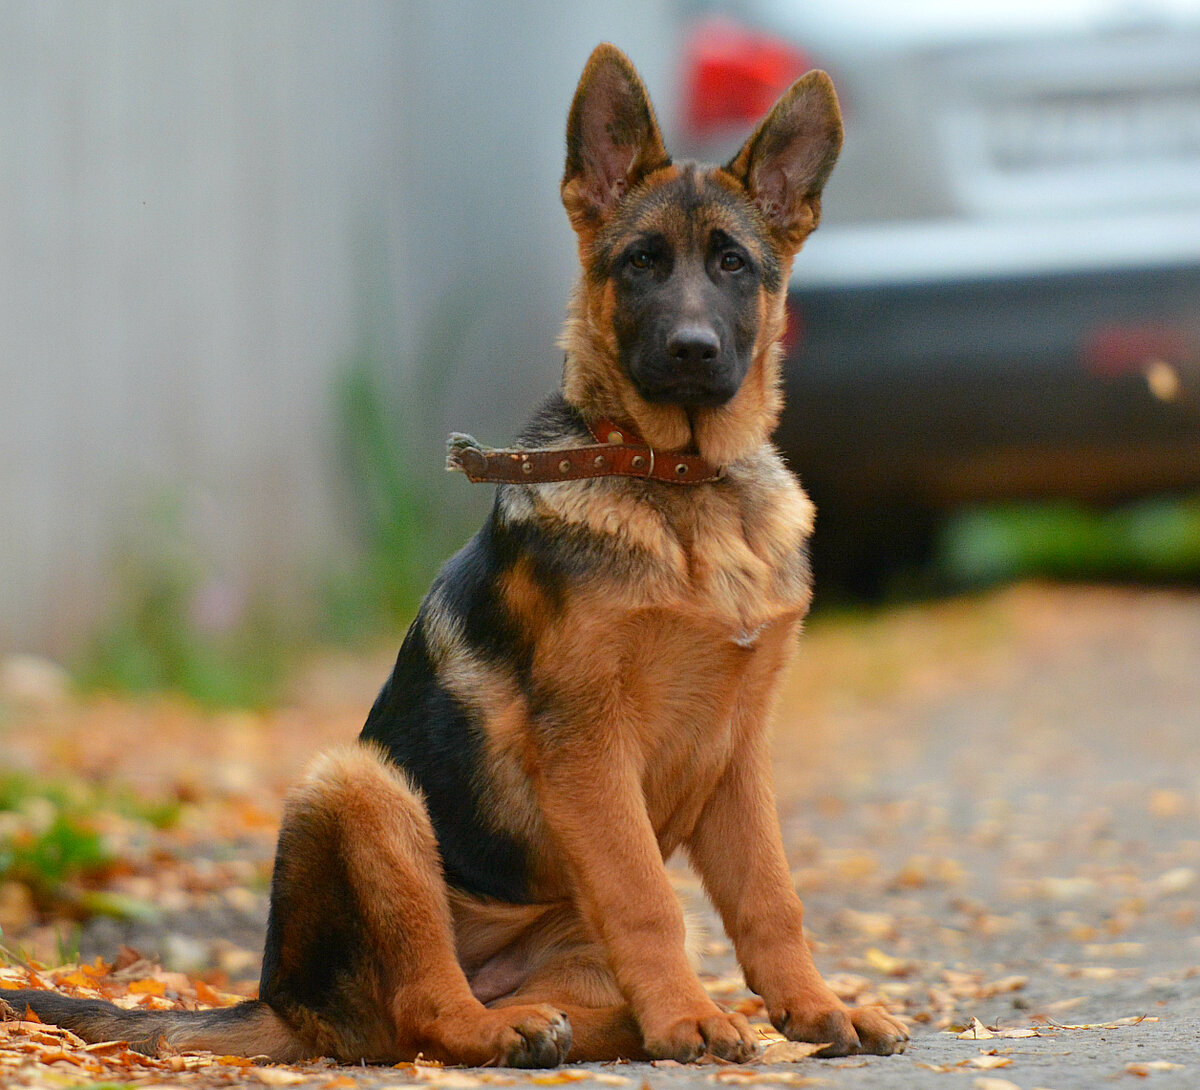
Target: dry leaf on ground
x=786 y=1052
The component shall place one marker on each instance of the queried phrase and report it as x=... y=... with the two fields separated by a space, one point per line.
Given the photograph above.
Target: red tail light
x=1114 y=350
x=733 y=75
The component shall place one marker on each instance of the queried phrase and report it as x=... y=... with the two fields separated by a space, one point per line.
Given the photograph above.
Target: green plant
x=46 y=859
x=50 y=844
x=1153 y=539
x=153 y=639
x=394 y=462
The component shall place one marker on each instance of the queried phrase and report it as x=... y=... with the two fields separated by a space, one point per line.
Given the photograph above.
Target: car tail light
x=733 y=75
x=1114 y=350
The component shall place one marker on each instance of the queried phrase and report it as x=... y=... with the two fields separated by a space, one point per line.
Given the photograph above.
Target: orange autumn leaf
x=147 y=987
x=206 y=994
x=76 y=979
x=97 y=969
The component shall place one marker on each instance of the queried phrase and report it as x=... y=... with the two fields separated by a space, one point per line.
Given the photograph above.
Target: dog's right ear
x=612 y=139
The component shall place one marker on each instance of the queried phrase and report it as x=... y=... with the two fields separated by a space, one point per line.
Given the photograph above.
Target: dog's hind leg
x=360 y=955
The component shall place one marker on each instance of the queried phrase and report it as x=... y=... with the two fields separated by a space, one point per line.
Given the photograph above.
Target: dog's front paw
x=541 y=1037
x=709 y=1029
x=532 y=1036
x=843 y=1030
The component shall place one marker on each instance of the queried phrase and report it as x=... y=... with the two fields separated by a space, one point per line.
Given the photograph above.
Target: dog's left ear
x=785 y=164
x=612 y=138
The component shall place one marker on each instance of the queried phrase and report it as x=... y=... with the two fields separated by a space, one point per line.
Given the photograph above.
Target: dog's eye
x=731 y=261
x=641 y=259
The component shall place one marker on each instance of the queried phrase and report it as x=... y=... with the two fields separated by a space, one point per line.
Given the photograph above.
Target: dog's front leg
x=591 y=795
x=737 y=849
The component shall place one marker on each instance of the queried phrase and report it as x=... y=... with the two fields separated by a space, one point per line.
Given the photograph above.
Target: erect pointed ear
x=612 y=138
x=785 y=164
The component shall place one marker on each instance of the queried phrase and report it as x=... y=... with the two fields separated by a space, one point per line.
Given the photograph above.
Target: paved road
x=991 y=806
x=1010 y=823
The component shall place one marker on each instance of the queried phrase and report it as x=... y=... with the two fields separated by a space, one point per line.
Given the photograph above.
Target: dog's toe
x=544 y=1039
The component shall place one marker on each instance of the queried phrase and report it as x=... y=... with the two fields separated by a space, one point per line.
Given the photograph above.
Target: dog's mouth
x=688 y=393
x=662 y=378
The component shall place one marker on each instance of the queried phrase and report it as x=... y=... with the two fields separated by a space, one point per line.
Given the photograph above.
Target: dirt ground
x=990 y=805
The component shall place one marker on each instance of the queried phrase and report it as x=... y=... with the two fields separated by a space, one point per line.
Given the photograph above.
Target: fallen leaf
x=1114 y=949
x=451 y=1080
x=1174 y=881
x=741 y=1075
x=786 y=1052
x=207 y=995
x=767 y=1032
x=987 y=1063
x=1002 y=987
x=126 y=957
x=886 y=964
x=235 y=1061
x=275 y=1076
x=76 y=979
x=1150 y=1067
x=976 y=1031
x=105 y=1046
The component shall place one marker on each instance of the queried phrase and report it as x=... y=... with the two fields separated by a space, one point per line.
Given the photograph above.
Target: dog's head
x=676 y=321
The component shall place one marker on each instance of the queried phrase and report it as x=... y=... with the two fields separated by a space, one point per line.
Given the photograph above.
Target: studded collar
x=619 y=451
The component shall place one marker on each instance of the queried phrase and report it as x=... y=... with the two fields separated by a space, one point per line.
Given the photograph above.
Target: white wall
x=206 y=207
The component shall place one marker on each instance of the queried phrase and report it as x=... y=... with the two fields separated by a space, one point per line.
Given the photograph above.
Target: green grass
x=77 y=797
x=395 y=462
x=49 y=841
x=1154 y=540
x=156 y=638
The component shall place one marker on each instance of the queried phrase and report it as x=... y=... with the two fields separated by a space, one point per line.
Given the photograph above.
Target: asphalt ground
x=991 y=807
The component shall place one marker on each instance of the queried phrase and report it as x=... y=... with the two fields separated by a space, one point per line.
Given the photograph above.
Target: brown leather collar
x=618 y=452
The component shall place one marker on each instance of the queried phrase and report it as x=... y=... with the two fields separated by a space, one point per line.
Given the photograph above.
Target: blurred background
x=256 y=260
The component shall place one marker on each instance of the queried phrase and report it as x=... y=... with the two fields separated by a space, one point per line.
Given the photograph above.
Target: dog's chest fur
x=609 y=612
x=687 y=598
x=730 y=557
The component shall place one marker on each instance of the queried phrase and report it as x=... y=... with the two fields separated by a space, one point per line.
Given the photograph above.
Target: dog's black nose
x=694 y=344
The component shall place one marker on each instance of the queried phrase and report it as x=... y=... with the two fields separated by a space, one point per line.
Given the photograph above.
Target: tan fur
x=411 y=996
x=653 y=685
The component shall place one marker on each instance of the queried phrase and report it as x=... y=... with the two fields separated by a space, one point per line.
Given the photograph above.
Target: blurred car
x=1003 y=299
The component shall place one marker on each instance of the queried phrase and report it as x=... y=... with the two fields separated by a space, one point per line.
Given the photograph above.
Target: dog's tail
x=249 y=1029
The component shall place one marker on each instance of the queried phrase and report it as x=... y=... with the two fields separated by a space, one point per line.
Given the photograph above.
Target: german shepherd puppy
x=587 y=687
